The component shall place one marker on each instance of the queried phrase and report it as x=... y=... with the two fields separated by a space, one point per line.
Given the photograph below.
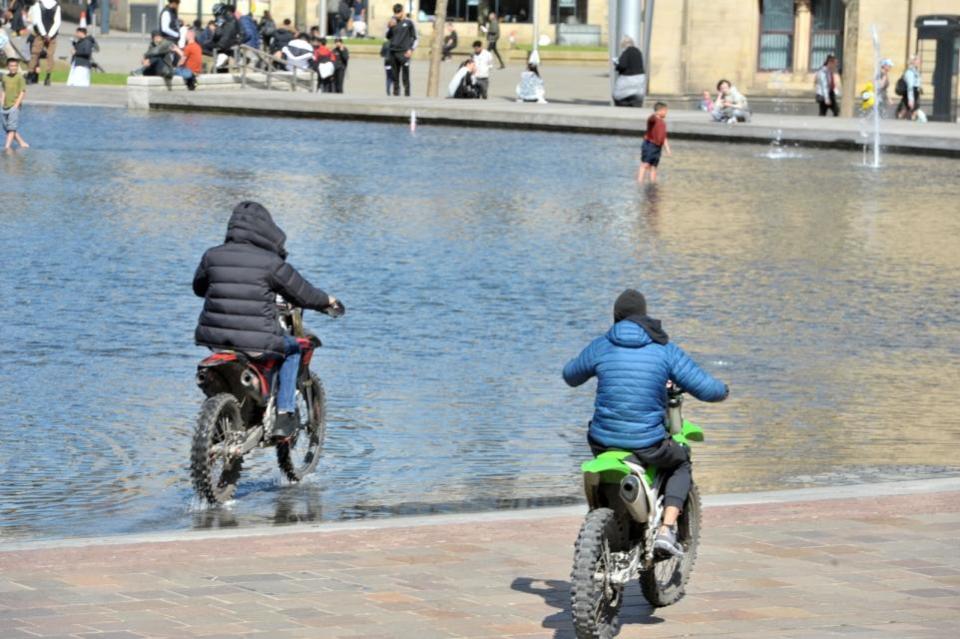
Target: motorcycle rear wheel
x=594 y=602
x=214 y=472
x=664 y=583
x=298 y=457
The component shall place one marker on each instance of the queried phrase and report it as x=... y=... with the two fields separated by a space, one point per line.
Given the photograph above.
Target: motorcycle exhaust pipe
x=250 y=381
x=634 y=496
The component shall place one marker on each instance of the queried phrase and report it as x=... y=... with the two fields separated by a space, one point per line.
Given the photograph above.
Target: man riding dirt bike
x=639 y=371
x=242 y=320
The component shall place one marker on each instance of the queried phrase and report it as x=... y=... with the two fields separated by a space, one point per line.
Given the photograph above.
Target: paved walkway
x=854 y=567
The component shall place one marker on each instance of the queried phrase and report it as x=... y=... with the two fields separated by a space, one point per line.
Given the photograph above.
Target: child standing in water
x=654 y=142
x=12 y=90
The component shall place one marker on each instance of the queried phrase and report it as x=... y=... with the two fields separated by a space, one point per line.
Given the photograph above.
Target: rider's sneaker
x=285 y=425
x=666 y=542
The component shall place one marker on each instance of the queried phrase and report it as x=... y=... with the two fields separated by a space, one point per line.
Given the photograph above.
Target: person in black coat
x=631 y=83
x=239 y=281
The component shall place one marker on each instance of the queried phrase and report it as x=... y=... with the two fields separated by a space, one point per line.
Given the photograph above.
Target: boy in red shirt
x=654 y=141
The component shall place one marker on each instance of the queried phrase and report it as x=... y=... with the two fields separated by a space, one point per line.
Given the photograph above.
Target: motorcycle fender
x=690 y=432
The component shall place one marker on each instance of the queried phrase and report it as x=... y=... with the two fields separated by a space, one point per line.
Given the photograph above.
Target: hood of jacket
x=637 y=332
x=251 y=223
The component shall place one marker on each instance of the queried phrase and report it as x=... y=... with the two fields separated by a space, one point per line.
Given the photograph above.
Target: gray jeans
x=11 y=119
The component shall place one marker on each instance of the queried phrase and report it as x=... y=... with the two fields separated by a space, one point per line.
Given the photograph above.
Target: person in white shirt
x=484 y=62
x=298 y=53
x=45 y=16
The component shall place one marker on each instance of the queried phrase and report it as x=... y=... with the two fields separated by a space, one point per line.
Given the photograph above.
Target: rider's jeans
x=287 y=379
x=667 y=456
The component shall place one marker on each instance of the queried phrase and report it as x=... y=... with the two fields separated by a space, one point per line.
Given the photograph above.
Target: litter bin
x=943 y=32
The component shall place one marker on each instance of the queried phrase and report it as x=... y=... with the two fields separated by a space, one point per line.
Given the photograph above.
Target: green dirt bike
x=615 y=545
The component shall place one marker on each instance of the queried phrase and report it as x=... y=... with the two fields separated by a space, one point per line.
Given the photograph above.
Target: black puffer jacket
x=240 y=280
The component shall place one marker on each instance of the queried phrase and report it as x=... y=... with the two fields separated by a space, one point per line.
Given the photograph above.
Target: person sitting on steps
x=633 y=362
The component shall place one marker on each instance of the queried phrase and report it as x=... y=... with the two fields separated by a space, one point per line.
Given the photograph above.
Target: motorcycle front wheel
x=214 y=471
x=298 y=457
x=664 y=583
x=595 y=602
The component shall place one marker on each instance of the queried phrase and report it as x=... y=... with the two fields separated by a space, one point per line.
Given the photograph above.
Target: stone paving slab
x=866 y=566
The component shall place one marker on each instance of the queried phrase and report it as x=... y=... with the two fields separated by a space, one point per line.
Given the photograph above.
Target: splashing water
x=876 y=101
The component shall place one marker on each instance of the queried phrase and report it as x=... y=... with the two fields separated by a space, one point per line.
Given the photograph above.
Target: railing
x=266 y=64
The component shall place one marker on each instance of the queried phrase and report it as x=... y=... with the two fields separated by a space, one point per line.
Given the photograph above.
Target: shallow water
x=473 y=264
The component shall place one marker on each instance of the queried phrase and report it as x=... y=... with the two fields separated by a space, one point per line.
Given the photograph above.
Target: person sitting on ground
x=239 y=281
x=463 y=85
x=450 y=41
x=283 y=36
x=633 y=363
x=191 y=61
x=84 y=47
x=158 y=59
x=297 y=53
x=324 y=61
x=530 y=88
x=730 y=105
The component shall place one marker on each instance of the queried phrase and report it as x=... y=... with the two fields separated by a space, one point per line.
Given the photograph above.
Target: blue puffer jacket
x=632 y=372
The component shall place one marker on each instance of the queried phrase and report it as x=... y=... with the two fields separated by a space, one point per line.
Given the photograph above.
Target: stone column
x=851 y=39
x=801 y=38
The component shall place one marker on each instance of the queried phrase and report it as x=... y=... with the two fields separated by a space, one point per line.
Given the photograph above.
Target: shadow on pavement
x=556 y=592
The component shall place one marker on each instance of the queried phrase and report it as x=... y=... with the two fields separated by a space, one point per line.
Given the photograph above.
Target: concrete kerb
x=140 y=88
x=854 y=491
x=791 y=130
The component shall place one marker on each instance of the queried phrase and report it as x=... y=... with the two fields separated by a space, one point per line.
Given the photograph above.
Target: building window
x=776 y=35
x=474 y=10
x=568 y=11
x=826 y=35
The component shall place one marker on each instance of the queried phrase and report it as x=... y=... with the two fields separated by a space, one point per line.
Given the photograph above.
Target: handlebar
x=337 y=309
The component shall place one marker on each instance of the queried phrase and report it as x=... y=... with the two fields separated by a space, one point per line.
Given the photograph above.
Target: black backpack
x=901 y=88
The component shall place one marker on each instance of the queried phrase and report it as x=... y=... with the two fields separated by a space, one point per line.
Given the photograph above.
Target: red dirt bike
x=240 y=411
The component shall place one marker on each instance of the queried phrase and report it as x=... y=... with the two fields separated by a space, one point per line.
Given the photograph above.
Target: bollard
x=143 y=23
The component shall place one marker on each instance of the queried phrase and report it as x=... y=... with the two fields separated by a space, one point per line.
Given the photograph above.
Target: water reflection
x=825 y=301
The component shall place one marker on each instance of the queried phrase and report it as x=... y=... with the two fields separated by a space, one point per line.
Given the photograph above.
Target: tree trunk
x=436 y=49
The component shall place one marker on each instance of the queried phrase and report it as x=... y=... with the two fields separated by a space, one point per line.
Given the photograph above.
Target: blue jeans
x=183 y=72
x=287 y=379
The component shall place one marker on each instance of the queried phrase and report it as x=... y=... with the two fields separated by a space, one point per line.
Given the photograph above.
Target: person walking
x=630 y=86
x=826 y=87
x=402 y=37
x=45 y=16
x=908 y=88
x=492 y=29
x=882 y=87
